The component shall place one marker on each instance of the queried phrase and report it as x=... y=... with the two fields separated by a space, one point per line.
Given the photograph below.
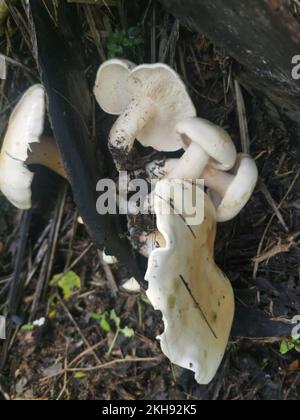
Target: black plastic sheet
x=58 y=49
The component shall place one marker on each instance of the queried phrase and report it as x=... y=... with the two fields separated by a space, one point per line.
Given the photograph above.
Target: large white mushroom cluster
x=154 y=108
x=194 y=296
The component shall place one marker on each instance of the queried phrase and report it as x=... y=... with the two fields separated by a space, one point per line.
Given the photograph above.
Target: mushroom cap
x=109 y=259
x=25 y=126
x=158 y=83
x=214 y=140
x=194 y=296
x=111 y=86
x=239 y=191
x=131 y=286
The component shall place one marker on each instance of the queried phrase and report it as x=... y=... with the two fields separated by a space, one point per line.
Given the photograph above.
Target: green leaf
x=115 y=51
x=95 y=316
x=27 y=327
x=286 y=347
x=105 y=325
x=79 y=375
x=68 y=283
x=127 y=42
x=101 y=318
x=120 y=39
x=127 y=332
x=114 y=317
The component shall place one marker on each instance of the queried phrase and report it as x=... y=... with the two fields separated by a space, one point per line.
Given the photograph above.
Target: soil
x=67 y=357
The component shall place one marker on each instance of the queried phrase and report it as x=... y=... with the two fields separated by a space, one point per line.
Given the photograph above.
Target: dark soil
x=259 y=251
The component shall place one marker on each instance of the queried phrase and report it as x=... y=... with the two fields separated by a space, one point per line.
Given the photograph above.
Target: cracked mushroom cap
x=153 y=85
x=194 y=296
x=25 y=127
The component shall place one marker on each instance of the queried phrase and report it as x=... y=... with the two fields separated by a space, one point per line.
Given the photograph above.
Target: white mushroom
x=109 y=259
x=230 y=192
x=23 y=146
x=131 y=286
x=194 y=296
x=111 y=84
x=152 y=99
x=204 y=144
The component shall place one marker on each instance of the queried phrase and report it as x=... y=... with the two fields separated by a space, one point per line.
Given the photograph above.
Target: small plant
x=35 y=324
x=68 y=283
x=27 y=327
x=288 y=345
x=79 y=375
x=120 y=40
x=103 y=320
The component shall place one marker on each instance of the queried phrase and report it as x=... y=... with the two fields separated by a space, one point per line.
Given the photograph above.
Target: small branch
x=198 y=306
x=77 y=328
x=116 y=362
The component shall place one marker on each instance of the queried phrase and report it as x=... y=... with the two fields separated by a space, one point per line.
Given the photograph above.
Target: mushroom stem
x=46 y=153
x=191 y=165
x=204 y=143
x=218 y=181
x=133 y=120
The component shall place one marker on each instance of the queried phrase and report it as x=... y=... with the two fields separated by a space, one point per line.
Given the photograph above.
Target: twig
x=109 y=276
x=16 y=283
x=276 y=250
x=49 y=258
x=87 y=351
x=4 y=394
x=115 y=362
x=259 y=251
x=79 y=258
x=73 y=234
x=223 y=371
x=272 y=203
x=245 y=139
x=64 y=388
x=153 y=36
x=17 y=64
x=95 y=33
x=77 y=328
x=37 y=261
x=56 y=227
x=294 y=384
